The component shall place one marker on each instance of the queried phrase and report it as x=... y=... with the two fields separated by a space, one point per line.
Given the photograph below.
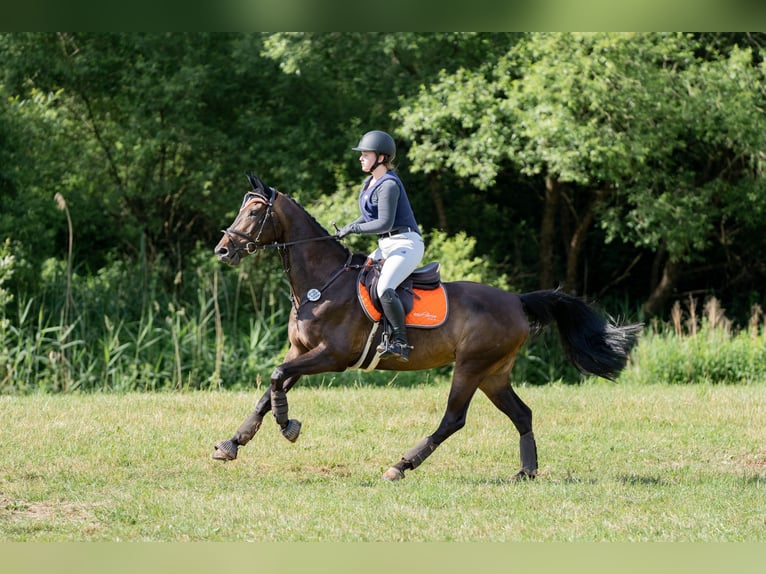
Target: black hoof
x=225 y=450
x=524 y=475
x=292 y=430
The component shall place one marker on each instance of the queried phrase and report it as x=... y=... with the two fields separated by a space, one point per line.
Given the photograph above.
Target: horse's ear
x=255 y=183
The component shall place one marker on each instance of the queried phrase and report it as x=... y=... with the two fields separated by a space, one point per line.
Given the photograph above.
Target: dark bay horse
x=328 y=330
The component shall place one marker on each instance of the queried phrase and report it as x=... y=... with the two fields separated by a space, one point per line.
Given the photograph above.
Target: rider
x=386 y=212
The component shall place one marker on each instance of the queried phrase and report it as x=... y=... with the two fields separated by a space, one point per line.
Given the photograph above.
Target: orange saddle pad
x=429 y=309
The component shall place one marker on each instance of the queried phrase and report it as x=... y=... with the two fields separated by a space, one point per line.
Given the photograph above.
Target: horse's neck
x=308 y=263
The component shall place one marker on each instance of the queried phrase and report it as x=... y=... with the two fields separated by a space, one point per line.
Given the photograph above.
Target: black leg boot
x=394 y=311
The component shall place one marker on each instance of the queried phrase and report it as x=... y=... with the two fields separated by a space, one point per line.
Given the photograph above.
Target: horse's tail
x=595 y=345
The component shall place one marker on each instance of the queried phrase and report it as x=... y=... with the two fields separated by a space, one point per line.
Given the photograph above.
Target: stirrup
x=396 y=349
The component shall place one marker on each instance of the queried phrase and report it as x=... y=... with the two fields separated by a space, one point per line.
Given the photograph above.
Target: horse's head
x=254 y=226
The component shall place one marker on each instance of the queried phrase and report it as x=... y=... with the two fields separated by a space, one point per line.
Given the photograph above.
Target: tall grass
x=701 y=345
x=125 y=329
x=121 y=331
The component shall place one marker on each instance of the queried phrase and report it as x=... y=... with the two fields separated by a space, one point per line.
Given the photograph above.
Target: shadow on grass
x=755 y=480
x=634 y=479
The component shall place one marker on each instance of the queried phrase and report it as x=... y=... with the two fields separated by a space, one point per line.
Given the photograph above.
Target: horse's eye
x=253 y=212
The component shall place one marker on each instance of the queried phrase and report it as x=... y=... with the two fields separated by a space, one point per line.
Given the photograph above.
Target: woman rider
x=386 y=212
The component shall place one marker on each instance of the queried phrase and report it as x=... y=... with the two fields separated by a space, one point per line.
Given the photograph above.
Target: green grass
x=618 y=463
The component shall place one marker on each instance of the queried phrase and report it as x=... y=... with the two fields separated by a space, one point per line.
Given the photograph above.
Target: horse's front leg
x=290 y=428
x=317 y=360
x=227 y=449
x=296 y=364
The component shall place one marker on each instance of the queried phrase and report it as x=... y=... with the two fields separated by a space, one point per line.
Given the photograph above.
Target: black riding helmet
x=379 y=142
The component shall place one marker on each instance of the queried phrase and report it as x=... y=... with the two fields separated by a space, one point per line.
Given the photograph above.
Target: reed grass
x=701 y=345
x=122 y=329
x=105 y=341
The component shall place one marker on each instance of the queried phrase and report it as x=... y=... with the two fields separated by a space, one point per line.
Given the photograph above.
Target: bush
x=458 y=263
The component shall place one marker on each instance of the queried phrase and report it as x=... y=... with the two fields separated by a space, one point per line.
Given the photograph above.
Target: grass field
x=617 y=463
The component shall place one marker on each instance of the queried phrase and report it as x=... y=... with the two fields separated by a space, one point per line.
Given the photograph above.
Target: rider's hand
x=345 y=230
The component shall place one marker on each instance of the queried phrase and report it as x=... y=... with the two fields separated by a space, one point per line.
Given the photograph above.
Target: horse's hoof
x=292 y=430
x=225 y=450
x=524 y=475
x=393 y=473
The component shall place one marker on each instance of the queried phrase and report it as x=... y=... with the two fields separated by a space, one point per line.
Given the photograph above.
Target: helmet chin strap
x=377 y=162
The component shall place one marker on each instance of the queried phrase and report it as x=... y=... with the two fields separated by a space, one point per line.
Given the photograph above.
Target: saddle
x=422 y=295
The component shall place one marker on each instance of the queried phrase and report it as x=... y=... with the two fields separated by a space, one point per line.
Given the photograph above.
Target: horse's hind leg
x=452 y=421
x=499 y=391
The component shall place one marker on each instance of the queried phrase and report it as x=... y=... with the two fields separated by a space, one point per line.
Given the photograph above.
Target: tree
x=558 y=153
x=702 y=185
x=354 y=81
x=615 y=125
x=134 y=130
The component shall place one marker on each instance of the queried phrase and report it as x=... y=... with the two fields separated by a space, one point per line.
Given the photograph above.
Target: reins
x=253 y=245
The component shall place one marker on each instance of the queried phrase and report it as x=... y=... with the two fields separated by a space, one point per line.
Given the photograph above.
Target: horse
x=328 y=330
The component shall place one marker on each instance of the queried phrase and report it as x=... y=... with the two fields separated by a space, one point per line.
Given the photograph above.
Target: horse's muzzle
x=226 y=255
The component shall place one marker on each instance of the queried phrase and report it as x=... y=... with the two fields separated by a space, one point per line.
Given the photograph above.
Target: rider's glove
x=346 y=230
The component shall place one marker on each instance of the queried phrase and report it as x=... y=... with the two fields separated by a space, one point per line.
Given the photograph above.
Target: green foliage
x=542 y=361
x=339 y=208
x=658 y=138
x=646 y=129
x=125 y=334
x=704 y=154
x=458 y=260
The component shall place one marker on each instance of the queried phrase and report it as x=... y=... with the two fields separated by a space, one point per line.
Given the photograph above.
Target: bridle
x=250 y=245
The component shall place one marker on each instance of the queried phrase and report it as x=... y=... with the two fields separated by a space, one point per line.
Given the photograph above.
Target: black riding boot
x=397 y=346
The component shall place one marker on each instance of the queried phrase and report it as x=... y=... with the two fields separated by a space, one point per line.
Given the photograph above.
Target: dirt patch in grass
x=751 y=461
x=757 y=461
x=67 y=511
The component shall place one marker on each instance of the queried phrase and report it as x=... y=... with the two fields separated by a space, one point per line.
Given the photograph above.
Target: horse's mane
x=270 y=194
x=316 y=223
